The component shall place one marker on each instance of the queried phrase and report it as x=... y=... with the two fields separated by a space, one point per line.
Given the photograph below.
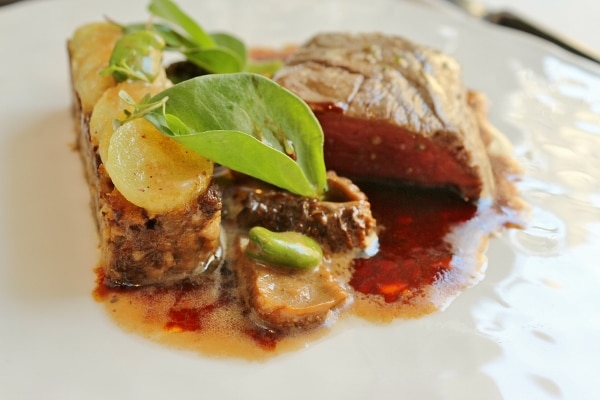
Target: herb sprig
x=215 y=53
x=136 y=56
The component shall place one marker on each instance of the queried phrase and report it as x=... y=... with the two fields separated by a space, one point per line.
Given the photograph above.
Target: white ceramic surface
x=530 y=329
x=574 y=19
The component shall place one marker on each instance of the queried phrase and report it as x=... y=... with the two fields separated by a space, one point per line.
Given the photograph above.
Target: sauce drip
x=208 y=316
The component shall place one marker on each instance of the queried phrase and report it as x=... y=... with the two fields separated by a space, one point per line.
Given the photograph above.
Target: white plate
x=530 y=329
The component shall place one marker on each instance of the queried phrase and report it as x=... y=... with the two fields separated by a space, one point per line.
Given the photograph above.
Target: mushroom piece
x=341 y=222
x=286 y=298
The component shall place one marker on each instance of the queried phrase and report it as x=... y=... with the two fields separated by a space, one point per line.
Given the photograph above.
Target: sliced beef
x=391 y=111
x=342 y=222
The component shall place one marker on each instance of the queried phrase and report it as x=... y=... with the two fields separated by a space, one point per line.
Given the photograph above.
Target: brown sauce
x=413 y=252
x=413 y=273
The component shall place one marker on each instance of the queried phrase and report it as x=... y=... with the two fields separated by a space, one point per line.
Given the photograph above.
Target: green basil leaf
x=214 y=53
x=215 y=60
x=228 y=55
x=137 y=55
x=249 y=123
x=244 y=153
x=173 y=39
x=232 y=44
x=169 y=11
x=176 y=126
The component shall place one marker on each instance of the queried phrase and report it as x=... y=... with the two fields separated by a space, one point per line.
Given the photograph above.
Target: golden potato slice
x=154 y=171
x=88 y=60
x=111 y=107
x=102 y=34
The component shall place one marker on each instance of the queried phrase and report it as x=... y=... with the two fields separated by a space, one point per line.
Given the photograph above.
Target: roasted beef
x=392 y=111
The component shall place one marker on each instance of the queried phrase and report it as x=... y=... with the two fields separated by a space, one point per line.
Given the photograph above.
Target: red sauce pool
x=210 y=318
x=412 y=250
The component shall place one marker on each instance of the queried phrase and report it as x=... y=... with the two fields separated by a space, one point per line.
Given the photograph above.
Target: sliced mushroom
x=288 y=298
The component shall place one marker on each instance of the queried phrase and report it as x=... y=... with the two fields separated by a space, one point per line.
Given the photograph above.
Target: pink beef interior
x=379 y=151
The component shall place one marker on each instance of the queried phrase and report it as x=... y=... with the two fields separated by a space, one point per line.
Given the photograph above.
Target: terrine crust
x=137 y=247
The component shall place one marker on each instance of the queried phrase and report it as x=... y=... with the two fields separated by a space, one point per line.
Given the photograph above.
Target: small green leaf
x=176 y=126
x=215 y=60
x=174 y=40
x=169 y=11
x=137 y=55
x=144 y=106
x=232 y=44
x=215 y=53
